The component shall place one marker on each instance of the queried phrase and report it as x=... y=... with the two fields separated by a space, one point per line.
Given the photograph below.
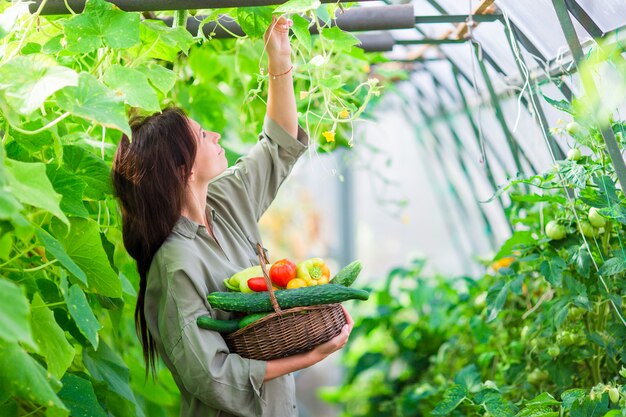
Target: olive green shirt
x=191 y=264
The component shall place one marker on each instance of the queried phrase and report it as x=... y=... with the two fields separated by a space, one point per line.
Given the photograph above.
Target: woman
x=190 y=222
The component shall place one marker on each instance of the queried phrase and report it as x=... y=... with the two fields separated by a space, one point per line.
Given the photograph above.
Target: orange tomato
x=502 y=263
x=296 y=283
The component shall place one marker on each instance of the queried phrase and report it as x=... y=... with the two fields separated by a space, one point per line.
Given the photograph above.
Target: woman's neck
x=194 y=205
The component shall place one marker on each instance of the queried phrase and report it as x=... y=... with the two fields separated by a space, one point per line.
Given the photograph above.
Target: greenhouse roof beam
x=589 y=85
x=484 y=8
x=61 y=6
x=584 y=19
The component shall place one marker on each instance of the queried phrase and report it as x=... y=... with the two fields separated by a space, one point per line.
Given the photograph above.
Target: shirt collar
x=187 y=227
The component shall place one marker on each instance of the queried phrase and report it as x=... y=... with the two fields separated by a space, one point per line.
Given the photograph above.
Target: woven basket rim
x=273 y=315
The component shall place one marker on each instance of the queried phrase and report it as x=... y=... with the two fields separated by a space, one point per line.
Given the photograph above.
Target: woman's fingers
x=349 y=320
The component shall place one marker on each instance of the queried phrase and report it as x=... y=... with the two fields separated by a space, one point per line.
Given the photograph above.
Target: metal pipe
x=60 y=7
x=457 y=18
x=376 y=41
x=353 y=20
x=361 y=19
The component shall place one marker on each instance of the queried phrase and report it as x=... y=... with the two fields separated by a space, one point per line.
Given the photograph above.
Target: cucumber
x=348 y=274
x=251 y=318
x=222 y=326
x=298 y=297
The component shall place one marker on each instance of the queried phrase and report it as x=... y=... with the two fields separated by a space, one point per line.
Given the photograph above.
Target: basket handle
x=263 y=260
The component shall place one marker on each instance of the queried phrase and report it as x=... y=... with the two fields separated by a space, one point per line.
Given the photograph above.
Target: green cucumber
x=251 y=318
x=348 y=274
x=222 y=326
x=298 y=297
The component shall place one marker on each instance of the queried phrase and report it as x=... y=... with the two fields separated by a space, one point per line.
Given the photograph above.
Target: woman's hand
x=337 y=342
x=276 y=39
x=283 y=366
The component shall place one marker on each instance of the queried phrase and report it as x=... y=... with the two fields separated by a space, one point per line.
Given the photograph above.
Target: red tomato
x=282 y=272
x=257 y=284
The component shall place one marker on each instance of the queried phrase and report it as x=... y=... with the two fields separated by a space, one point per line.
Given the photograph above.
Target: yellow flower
x=344 y=114
x=303 y=95
x=329 y=135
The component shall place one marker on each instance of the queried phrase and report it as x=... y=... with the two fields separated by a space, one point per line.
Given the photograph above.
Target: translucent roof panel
x=492 y=37
x=607 y=14
x=464 y=57
x=541 y=25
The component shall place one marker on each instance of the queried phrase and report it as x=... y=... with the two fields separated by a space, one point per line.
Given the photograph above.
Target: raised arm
x=281 y=101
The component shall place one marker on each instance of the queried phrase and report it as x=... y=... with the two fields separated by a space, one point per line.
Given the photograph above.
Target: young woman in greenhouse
x=190 y=222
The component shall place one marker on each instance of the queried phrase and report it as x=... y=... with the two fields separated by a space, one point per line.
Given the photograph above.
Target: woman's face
x=210 y=156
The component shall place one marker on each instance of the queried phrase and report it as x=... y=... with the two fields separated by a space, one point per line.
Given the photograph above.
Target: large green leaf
x=133 y=85
x=53 y=344
x=591 y=408
x=78 y=396
x=84 y=246
x=9 y=206
x=613 y=266
x=163 y=42
x=14 y=312
x=537 y=411
x=90 y=169
x=93 y=101
x=101 y=24
x=55 y=248
x=27 y=81
x=71 y=187
x=572 y=396
x=9 y=16
x=300 y=28
x=497 y=406
x=552 y=270
x=519 y=238
x=562 y=105
x=496 y=296
x=452 y=397
x=159 y=76
x=106 y=366
x=254 y=20
x=298 y=6
x=341 y=41
x=25 y=378
x=30 y=185
x=81 y=312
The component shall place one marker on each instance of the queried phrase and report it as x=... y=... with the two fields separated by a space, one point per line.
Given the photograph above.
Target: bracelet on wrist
x=274 y=76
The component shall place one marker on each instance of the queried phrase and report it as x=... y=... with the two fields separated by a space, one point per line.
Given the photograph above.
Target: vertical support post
x=577 y=52
x=346 y=211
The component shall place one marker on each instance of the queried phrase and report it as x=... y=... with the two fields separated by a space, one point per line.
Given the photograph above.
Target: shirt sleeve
x=268 y=163
x=201 y=358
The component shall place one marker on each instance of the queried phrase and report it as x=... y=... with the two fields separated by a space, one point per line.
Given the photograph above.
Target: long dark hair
x=150 y=172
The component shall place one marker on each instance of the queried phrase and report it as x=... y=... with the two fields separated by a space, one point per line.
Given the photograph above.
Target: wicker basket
x=286 y=332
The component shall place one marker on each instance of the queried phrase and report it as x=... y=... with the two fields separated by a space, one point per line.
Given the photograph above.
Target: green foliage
x=542 y=333
x=67 y=88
